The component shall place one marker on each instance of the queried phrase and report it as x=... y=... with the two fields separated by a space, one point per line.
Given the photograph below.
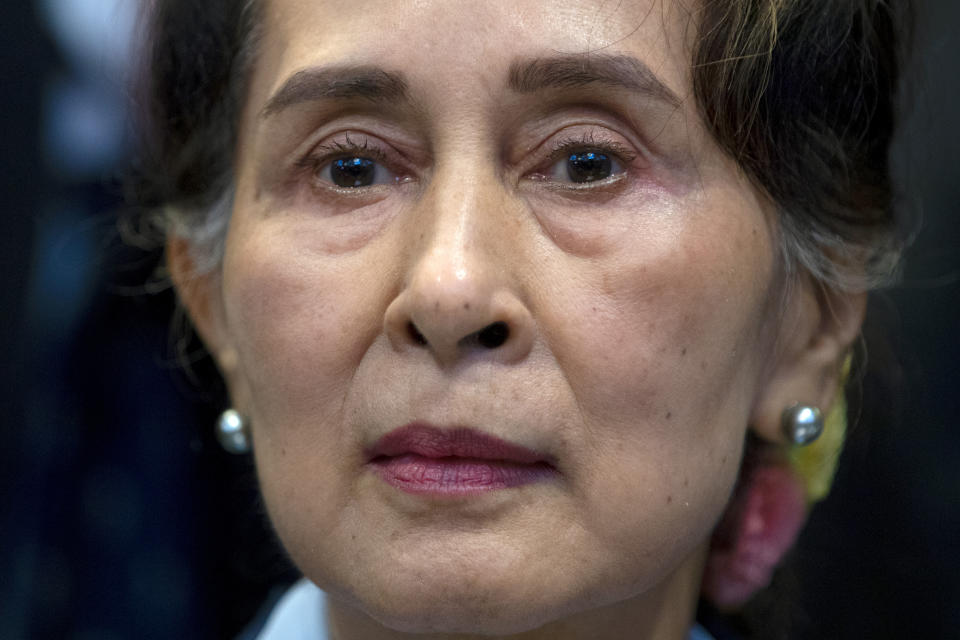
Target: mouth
x=425 y=460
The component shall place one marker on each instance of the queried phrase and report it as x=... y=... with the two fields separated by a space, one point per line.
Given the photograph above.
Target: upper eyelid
x=333 y=147
x=591 y=125
x=621 y=151
x=323 y=153
x=560 y=145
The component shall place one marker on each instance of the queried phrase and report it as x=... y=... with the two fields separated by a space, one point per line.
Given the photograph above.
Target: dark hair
x=802 y=94
x=195 y=69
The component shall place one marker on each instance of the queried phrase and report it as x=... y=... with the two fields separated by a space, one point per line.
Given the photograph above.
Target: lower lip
x=457 y=477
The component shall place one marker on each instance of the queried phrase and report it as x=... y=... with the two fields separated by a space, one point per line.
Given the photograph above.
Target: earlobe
x=816 y=331
x=777 y=485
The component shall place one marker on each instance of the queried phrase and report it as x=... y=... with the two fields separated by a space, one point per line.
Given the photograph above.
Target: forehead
x=461 y=45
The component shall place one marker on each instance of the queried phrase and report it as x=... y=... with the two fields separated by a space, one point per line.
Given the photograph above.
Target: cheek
x=300 y=321
x=665 y=334
x=664 y=359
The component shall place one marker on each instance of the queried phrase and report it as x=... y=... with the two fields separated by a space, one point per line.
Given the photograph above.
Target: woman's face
x=411 y=173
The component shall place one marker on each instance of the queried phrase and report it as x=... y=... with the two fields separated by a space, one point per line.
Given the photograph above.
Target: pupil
x=588 y=166
x=352 y=172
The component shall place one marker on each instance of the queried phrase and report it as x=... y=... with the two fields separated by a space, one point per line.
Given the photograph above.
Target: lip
x=426 y=460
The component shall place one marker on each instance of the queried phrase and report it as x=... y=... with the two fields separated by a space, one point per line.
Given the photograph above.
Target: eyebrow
x=375 y=84
x=339 y=82
x=578 y=71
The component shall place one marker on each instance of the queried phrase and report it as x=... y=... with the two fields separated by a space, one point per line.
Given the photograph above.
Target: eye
x=590 y=166
x=355 y=172
x=582 y=165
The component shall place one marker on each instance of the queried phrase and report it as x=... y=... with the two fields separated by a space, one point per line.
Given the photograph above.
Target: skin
x=648 y=324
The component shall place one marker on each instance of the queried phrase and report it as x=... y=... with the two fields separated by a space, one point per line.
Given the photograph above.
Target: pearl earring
x=802 y=423
x=233 y=432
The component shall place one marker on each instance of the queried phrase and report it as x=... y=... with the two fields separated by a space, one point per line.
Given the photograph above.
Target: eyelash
x=321 y=157
x=564 y=147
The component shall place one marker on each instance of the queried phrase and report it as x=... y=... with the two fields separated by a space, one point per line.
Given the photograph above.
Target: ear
x=816 y=330
x=200 y=294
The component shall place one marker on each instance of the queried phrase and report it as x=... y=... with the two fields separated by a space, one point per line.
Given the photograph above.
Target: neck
x=665 y=612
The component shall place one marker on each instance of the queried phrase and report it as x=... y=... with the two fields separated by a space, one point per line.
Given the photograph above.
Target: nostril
x=493 y=335
x=415 y=334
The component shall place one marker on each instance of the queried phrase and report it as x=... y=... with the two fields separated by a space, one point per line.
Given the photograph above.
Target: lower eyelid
x=325 y=187
x=613 y=183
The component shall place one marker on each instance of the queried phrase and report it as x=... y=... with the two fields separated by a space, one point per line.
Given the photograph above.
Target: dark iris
x=588 y=166
x=352 y=172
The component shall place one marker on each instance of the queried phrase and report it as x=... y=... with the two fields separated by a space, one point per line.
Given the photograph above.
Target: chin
x=489 y=603
x=465 y=615
x=485 y=604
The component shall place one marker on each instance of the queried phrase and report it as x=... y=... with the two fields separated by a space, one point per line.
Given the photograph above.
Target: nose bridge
x=460 y=293
x=457 y=253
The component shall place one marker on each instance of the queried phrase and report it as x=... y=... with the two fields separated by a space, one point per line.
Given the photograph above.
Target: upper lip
x=429 y=441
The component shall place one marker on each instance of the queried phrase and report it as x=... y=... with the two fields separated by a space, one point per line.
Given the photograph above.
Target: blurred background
x=120 y=516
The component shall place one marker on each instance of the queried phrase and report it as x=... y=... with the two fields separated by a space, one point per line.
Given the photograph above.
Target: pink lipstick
x=422 y=459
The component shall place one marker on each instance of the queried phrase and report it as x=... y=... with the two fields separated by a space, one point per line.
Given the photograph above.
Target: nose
x=461 y=297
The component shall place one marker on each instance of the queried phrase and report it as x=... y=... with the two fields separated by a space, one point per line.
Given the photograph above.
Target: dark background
x=121 y=518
